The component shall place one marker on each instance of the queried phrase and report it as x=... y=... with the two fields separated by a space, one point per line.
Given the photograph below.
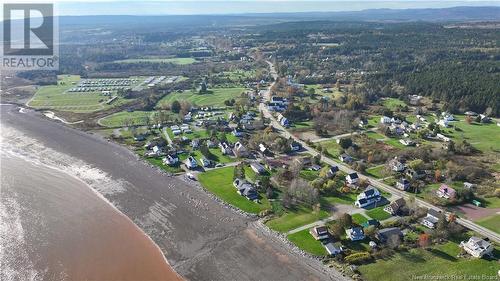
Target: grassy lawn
x=373 y=121
x=303 y=124
x=344 y=198
x=440 y=261
x=491 y=222
x=158 y=162
x=309 y=175
x=215 y=97
x=292 y=219
x=218 y=156
x=491 y=202
x=332 y=148
x=378 y=213
x=56 y=97
x=482 y=136
x=392 y=103
x=179 y=61
x=306 y=242
x=377 y=171
x=124 y=118
x=220 y=183
x=359 y=218
x=390 y=141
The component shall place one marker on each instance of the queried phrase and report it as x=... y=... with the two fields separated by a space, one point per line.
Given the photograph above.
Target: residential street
x=344 y=168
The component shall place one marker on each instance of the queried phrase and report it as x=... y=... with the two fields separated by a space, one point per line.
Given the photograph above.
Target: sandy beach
x=200 y=238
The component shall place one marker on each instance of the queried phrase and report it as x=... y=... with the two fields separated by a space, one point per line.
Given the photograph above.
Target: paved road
x=377 y=183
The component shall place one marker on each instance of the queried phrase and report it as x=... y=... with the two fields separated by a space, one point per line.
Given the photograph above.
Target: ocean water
x=54 y=225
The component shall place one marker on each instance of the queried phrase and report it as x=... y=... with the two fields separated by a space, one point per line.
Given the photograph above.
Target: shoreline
x=107 y=202
x=199 y=237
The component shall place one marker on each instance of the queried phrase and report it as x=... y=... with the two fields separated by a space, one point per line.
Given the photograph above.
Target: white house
x=477 y=247
x=225 y=148
x=352 y=178
x=431 y=219
x=170 y=160
x=385 y=120
x=443 y=137
x=191 y=163
x=368 y=197
x=355 y=233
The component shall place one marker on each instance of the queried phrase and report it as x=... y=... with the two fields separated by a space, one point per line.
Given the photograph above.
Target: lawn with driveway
x=220 y=183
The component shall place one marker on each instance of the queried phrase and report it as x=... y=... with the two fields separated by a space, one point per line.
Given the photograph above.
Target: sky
x=190 y=7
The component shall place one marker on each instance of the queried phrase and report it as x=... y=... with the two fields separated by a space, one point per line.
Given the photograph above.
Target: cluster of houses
x=355 y=233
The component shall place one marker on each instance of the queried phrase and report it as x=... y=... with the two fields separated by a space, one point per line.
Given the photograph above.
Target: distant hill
x=454 y=14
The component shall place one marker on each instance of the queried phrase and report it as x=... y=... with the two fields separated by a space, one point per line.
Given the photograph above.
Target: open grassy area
x=309 y=175
x=345 y=198
x=491 y=222
x=306 y=242
x=392 y=103
x=56 y=97
x=220 y=183
x=332 y=148
x=218 y=156
x=378 y=213
x=292 y=219
x=359 y=218
x=482 y=136
x=440 y=261
x=125 y=118
x=215 y=96
x=377 y=171
x=179 y=61
x=390 y=141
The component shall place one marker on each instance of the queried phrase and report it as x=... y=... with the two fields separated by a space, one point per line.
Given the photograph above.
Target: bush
x=358 y=258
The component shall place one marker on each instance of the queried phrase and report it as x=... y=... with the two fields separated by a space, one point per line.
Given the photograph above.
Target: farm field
x=179 y=61
x=220 y=183
x=56 y=97
x=292 y=219
x=441 y=260
x=215 y=97
x=306 y=242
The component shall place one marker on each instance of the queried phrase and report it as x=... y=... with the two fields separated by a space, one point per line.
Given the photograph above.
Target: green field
x=347 y=199
x=492 y=223
x=359 y=218
x=392 y=103
x=124 y=118
x=309 y=175
x=332 y=148
x=292 y=219
x=179 y=61
x=482 y=136
x=304 y=240
x=377 y=171
x=440 y=261
x=378 y=213
x=220 y=183
x=390 y=141
x=55 y=97
x=215 y=97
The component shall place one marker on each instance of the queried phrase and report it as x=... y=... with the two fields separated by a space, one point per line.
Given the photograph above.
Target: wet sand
x=201 y=239
x=54 y=227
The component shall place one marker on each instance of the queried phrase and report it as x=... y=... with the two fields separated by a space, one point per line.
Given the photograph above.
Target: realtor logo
x=29 y=37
